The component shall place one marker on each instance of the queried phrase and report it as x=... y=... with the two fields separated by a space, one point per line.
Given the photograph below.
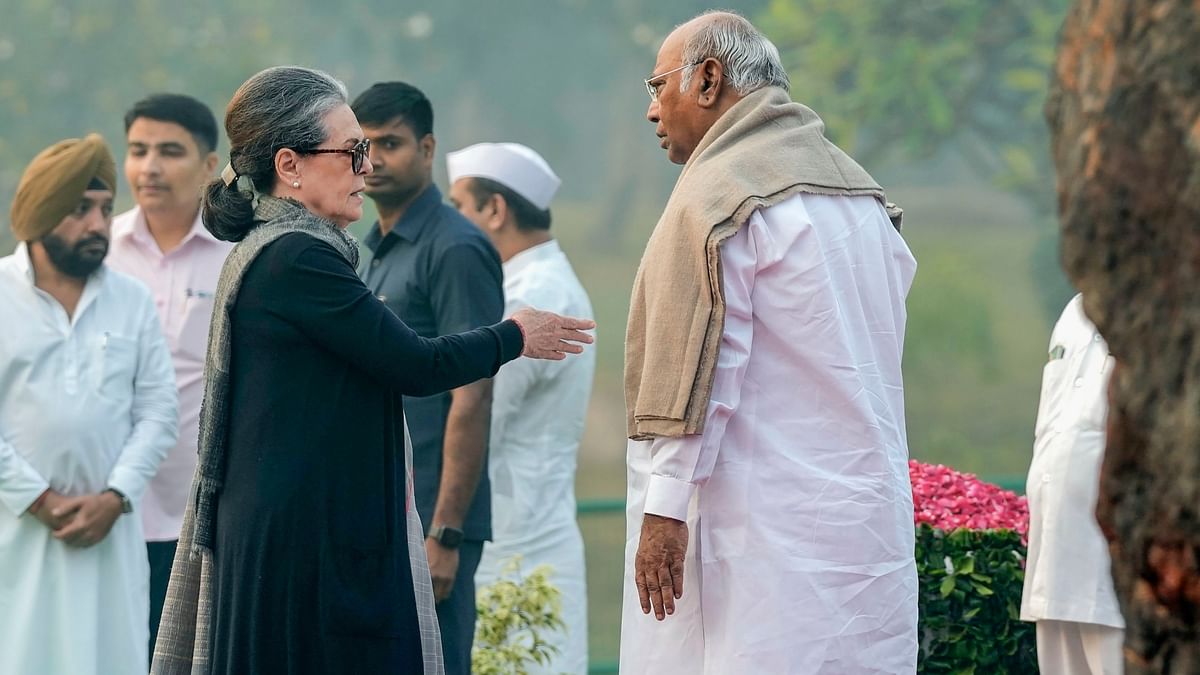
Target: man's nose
x=97 y=220
x=652 y=112
x=149 y=163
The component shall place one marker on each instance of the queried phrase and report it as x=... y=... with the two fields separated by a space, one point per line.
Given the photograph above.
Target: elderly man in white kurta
x=538 y=409
x=87 y=412
x=1068 y=583
x=770 y=513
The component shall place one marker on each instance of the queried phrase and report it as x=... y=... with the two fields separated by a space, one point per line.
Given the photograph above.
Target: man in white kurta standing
x=770 y=524
x=1068 y=584
x=171 y=141
x=87 y=412
x=538 y=409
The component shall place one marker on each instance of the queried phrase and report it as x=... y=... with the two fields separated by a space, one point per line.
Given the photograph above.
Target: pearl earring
x=295 y=183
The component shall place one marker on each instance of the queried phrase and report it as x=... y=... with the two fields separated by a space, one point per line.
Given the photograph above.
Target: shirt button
x=1078 y=382
x=1045 y=478
x=375 y=262
x=1097 y=338
x=382 y=298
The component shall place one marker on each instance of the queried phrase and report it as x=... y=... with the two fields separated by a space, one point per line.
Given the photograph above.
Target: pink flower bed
x=947 y=500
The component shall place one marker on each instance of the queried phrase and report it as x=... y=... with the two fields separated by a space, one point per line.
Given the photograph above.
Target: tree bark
x=1124 y=113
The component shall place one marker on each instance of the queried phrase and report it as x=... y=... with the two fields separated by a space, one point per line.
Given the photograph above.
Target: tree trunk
x=1124 y=112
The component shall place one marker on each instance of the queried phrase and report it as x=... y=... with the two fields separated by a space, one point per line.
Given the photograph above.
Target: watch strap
x=126 y=505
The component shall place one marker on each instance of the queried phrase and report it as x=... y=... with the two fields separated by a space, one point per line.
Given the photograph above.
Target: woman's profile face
x=329 y=187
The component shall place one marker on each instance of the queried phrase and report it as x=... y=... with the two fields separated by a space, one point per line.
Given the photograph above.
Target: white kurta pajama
x=538 y=411
x=1068 y=585
x=86 y=403
x=800 y=557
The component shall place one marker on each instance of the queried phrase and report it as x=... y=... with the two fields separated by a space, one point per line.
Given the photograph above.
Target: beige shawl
x=763 y=150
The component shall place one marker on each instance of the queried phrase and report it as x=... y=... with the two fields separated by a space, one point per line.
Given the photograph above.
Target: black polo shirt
x=440 y=275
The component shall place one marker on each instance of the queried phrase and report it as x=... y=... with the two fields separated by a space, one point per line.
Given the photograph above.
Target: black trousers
x=456 y=614
x=161 y=555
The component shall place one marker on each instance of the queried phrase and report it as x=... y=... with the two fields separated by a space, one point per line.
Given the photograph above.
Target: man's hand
x=658 y=566
x=443 y=567
x=550 y=336
x=50 y=504
x=94 y=516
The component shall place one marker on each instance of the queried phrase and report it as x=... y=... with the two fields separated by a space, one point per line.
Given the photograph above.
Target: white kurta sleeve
x=155 y=412
x=20 y=483
x=680 y=464
x=512 y=384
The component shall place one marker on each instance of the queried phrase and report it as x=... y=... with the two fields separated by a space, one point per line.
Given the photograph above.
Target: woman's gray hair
x=280 y=107
x=751 y=61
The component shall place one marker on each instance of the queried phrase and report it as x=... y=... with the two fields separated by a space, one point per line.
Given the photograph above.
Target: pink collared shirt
x=183 y=284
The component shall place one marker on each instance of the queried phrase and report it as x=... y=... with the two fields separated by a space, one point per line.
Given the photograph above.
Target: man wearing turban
x=87 y=411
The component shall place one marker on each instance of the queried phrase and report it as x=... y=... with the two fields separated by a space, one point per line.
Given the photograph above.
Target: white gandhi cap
x=513 y=165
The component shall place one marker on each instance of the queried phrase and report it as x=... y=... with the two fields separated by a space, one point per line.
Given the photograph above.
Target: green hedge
x=970 y=603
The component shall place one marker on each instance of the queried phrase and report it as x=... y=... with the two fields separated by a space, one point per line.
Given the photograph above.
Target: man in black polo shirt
x=441 y=275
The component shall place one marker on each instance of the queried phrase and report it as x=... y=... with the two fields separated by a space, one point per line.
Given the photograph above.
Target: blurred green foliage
x=901 y=80
x=898 y=76
x=564 y=76
x=515 y=615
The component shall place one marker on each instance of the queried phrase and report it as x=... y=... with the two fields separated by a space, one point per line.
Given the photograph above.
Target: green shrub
x=513 y=617
x=970 y=603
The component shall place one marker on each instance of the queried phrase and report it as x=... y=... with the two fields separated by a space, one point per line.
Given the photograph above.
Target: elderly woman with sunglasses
x=301 y=550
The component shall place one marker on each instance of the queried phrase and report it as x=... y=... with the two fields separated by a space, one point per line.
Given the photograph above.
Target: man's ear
x=210 y=162
x=711 y=74
x=428 y=145
x=500 y=212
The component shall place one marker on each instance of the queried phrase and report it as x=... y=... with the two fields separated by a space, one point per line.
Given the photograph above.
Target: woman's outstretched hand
x=550 y=336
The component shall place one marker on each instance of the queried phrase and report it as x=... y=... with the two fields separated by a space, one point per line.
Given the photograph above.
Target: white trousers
x=1072 y=648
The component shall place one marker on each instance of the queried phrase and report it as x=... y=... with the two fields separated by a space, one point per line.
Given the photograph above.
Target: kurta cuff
x=20 y=483
x=668 y=497
x=128 y=483
x=18 y=495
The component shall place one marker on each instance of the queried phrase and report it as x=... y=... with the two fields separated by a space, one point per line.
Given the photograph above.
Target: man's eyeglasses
x=357 y=154
x=652 y=89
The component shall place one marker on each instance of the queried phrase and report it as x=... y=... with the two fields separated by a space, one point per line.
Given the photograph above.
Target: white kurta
x=797 y=495
x=1067 y=574
x=85 y=404
x=538 y=411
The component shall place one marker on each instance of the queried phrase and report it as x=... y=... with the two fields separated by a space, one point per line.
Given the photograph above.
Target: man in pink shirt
x=171 y=141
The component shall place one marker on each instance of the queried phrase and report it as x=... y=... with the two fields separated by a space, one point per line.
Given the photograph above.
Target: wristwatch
x=446 y=536
x=126 y=505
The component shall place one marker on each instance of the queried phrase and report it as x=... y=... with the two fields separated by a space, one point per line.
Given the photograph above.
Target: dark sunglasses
x=357 y=154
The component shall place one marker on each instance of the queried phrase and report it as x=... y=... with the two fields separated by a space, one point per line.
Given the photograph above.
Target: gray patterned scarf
x=184 y=630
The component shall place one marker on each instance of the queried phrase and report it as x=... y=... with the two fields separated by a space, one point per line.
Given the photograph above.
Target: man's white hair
x=751 y=61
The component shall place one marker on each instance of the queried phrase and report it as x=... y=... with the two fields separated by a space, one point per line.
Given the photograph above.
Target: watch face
x=450 y=537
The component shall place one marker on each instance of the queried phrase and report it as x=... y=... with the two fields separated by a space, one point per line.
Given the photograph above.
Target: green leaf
x=982 y=590
x=947 y=585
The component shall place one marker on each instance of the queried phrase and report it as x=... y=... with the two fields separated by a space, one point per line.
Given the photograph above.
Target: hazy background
x=940 y=99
